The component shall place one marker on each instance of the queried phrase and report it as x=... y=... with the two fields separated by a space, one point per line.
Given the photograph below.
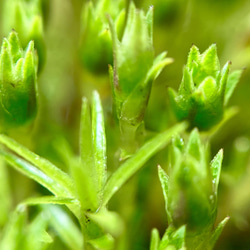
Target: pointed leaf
x=218 y=232
x=193 y=56
x=232 y=81
x=164 y=185
x=6 y=65
x=15 y=46
x=210 y=60
x=34 y=173
x=29 y=66
x=19 y=69
x=99 y=141
x=62 y=179
x=178 y=237
x=173 y=238
x=159 y=63
x=216 y=169
x=187 y=85
x=194 y=145
x=86 y=144
x=119 y=24
x=132 y=165
x=48 y=200
x=86 y=188
x=224 y=78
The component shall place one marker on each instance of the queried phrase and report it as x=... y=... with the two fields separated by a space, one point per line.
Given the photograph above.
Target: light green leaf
x=36 y=236
x=99 y=141
x=5 y=62
x=14 y=231
x=164 y=185
x=29 y=66
x=15 y=46
x=86 y=172
x=193 y=56
x=173 y=239
x=59 y=177
x=209 y=89
x=48 y=200
x=194 y=147
x=224 y=79
x=216 y=169
x=159 y=63
x=217 y=232
x=210 y=60
x=187 y=85
x=68 y=232
x=155 y=239
x=106 y=242
x=109 y=221
x=132 y=165
x=86 y=146
x=119 y=23
x=86 y=188
x=32 y=172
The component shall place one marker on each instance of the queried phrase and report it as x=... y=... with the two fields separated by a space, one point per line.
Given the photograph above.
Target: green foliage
x=18 y=82
x=94 y=195
x=79 y=149
x=134 y=70
x=190 y=191
x=26 y=18
x=204 y=90
x=96 y=45
x=19 y=234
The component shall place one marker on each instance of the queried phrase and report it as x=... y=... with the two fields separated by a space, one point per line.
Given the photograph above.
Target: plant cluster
x=94 y=185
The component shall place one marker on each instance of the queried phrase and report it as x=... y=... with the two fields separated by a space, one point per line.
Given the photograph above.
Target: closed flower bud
x=17 y=82
x=205 y=89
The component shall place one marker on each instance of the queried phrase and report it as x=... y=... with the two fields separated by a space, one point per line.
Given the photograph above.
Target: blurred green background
x=177 y=25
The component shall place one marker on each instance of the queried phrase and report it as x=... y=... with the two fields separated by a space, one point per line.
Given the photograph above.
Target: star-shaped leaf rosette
x=205 y=89
x=18 y=71
x=134 y=70
x=190 y=192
